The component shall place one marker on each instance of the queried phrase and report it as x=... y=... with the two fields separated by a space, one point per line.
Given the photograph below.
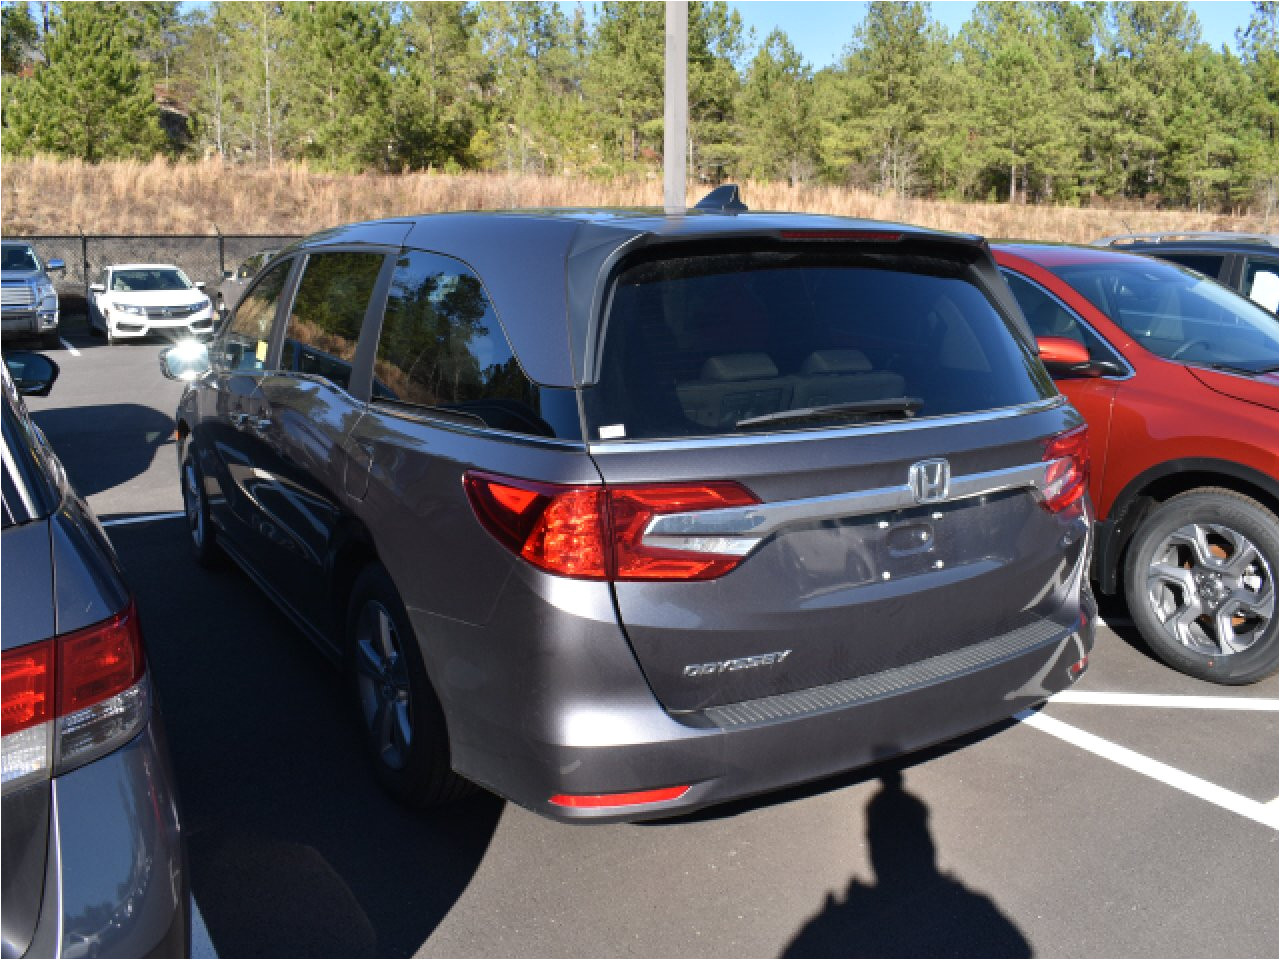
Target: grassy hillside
x=61 y=196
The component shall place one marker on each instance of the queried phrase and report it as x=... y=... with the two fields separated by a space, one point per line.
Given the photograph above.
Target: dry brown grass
x=44 y=195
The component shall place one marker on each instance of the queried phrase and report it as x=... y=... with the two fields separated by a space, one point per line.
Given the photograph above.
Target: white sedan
x=141 y=299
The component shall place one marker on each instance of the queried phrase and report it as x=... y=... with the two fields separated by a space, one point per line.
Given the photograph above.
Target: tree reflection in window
x=328 y=311
x=442 y=347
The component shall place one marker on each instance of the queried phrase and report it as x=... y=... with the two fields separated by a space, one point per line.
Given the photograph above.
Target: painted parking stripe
x=68 y=347
x=144 y=518
x=1166 y=700
x=201 y=943
x=1267 y=814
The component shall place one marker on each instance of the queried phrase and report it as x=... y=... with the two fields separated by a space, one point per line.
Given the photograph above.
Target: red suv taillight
x=72 y=698
x=597 y=532
x=1067 y=478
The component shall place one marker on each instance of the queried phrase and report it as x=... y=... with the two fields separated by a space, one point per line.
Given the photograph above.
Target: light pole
x=676 y=113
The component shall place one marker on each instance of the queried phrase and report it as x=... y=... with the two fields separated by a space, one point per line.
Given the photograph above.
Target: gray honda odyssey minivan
x=620 y=514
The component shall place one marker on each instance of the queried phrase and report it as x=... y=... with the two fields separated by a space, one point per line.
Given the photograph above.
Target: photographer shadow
x=912 y=910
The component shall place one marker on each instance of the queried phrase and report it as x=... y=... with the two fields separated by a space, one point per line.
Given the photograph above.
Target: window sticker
x=261 y=352
x=615 y=431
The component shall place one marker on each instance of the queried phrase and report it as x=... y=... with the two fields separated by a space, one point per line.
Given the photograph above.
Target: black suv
x=1245 y=262
x=621 y=514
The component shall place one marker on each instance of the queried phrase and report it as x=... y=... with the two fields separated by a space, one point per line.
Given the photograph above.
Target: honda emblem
x=930 y=480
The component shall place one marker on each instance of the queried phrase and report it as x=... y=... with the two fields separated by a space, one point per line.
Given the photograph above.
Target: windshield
x=19 y=258
x=1179 y=315
x=702 y=343
x=152 y=278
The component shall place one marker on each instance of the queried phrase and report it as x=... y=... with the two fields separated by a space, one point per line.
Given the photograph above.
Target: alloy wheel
x=382 y=683
x=1212 y=589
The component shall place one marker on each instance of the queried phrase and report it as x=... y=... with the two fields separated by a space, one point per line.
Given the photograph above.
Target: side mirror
x=98 y=287
x=56 y=265
x=33 y=373
x=1063 y=356
x=185 y=361
x=199 y=284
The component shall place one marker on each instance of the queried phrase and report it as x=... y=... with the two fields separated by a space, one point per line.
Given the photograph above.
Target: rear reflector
x=72 y=698
x=1067 y=477
x=597 y=532
x=597 y=800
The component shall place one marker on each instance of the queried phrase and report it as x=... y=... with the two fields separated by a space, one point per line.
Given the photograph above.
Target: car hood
x=1262 y=389
x=156 y=298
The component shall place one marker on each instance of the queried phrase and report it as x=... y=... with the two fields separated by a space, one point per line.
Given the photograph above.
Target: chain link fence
x=203 y=257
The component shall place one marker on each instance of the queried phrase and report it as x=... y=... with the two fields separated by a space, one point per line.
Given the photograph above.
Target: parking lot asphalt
x=1123 y=827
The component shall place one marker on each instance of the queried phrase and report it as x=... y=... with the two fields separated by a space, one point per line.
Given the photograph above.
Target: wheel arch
x=351 y=549
x=1158 y=484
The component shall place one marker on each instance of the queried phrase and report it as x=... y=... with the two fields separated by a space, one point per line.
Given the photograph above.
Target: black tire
x=1200 y=581
x=396 y=706
x=195 y=504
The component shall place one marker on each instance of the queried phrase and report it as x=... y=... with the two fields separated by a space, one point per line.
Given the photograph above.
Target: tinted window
x=328 y=312
x=243 y=343
x=712 y=343
x=18 y=258
x=1049 y=318
x=443 y=348
x=1177 y=314
x=1207 y=263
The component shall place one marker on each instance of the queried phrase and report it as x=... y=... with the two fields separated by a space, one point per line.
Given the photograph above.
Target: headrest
x=739 y=366
x=836 y=361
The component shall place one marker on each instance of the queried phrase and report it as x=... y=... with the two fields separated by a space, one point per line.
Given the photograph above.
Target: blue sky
x=820 y=29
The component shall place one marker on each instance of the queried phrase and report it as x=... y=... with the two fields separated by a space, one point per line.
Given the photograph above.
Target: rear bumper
x=116 y=882
x=617 y=738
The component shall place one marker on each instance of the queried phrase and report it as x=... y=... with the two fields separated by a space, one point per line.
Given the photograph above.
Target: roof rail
x=1175 y=235
x=723 y=199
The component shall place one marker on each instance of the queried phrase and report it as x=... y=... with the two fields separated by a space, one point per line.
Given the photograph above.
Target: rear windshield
x=736 y=342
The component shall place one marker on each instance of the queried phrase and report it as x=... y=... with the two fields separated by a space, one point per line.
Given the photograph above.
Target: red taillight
x=596 y=800
x=27 y=681
x=99 y=661
x=1067 y=478
x=632 y=507
x=597 y=533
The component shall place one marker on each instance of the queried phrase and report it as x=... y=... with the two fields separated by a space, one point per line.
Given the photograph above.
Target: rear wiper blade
x=855 y=408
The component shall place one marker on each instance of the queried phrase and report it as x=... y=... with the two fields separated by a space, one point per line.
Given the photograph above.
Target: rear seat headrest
x=836 y=361
x=739 y=366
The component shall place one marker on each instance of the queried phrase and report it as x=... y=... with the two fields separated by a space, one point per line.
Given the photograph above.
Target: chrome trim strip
x=798 y=436
x=737 y=530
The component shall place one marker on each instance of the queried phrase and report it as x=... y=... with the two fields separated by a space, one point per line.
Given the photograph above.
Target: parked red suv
x=1176 y=376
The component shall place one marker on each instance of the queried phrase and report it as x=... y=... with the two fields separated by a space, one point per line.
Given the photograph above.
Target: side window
x=1262 y=282
x=1048 y=318
x=328 y=312
x=442 y=347
x=242 y=345
x=1207 y=263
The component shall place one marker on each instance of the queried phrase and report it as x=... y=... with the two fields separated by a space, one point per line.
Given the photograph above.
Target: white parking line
x=1165 y=700
x=144 y=518
x=1268 y=814
x=68 y=347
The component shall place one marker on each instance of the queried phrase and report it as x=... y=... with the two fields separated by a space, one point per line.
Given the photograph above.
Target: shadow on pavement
x=913 y=909
x=105 y=446
x=294 y=850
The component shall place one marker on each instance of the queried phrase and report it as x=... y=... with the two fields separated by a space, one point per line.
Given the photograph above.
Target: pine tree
x=93 y=99
x=778 y=130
